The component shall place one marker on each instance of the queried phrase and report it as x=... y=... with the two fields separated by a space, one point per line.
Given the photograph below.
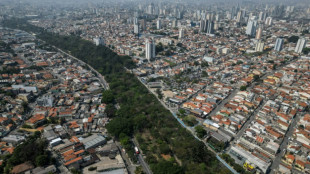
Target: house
x=289 y=158
x=22 y=168
x=36 y=120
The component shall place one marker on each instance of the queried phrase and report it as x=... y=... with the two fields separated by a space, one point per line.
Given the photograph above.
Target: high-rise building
x=136 y=28
x=239 y=16
x=143 y=25
x=150 y=8
x=251 y=27
x=98 y=41
x=210 y=28
x=300 y=45
x=149 y=49
x=158 y=24
x=262 y=16
x=202 y=25
x=259 y=46
x=268 y=21
x=174 y=23
x=217 y=17
x=181 y=33
x=259 y=33
x=279 y=44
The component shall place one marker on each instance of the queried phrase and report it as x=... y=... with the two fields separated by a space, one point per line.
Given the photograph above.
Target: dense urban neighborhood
x=155 y=87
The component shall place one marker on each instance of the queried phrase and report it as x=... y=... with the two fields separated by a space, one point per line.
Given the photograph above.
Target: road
x=245 y=125
x=276 y=162
x=223 y=103
x=129 y=165
x=100 y=77
x=191 y=131
x=104 y=84
x=145 y=166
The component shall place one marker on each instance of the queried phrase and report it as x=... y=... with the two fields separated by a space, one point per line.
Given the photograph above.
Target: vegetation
x=92 y=168
x=140 y=113
x=33 y=150
x=232 y=163
x=200 y=131
x=293 y=39
x=218 y=145
x=159 y=47
x=190 y=120
x=243 y=88
x=107 y=97
x=171 y=64
x=159 y=93
x=306 y=50
x=139 y=170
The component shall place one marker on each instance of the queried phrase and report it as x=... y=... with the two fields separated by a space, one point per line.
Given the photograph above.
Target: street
x=145 y=166
x=289 y=133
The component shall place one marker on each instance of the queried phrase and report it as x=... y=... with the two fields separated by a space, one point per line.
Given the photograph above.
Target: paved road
x=192 y=131
x=104 y=84
x=129 y=165
x=289 y=133
x=223 y=103
x=101 y=77
x=144 y=165
x=245 y=125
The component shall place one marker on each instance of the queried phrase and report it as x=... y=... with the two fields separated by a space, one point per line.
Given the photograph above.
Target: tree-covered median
x=169 y=148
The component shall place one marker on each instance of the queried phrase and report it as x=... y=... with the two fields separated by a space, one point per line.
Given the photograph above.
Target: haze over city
x=154 y=87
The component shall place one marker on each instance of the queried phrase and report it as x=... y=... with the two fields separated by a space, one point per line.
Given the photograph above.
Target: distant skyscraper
x=259 y=46
x=210 y=28
x=181 y=33
x=259 y=33
x=279 y=44
x=300 y=45
x=174 y=23
x=217 y=17
x=150 y=8
x=136 y=28
x=262 y=16
x=158 y=24
x=135 y=20
x=268 y=21
x=149 y=49
x=251 y=27
x=202 y=25
x=143 y=24
x=239 y=16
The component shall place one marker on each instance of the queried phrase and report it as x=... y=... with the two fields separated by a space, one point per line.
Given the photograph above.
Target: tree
x=205 y=74
x=200 y=131
x=139 y=170
x=135 y=99
x=107 y=97
x=140 y=122
x=182 y=111
x=243 y=88
x=256 y=77
x=274 y=67
x=164 y=167
x=159 y=94
x=159 y=47
x=110 y=110
x=42 y=160
x=306 y=51
x=75 y=171
x=239 y=62
x=293 y=39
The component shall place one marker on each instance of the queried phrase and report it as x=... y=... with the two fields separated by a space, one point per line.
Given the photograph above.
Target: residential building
x=300 y=45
